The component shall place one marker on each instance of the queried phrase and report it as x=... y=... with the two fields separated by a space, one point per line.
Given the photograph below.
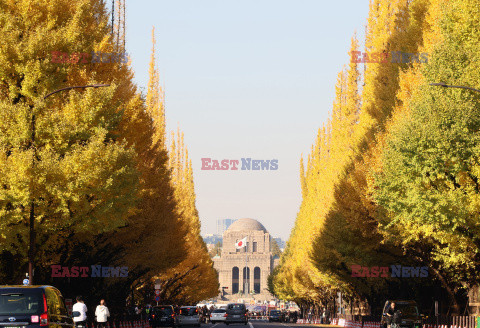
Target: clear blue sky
x=246 y=79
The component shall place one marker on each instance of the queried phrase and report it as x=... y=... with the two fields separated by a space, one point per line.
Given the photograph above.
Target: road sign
x=157 y=298
x=157 y=286
x=157 y=292
x=26 y=282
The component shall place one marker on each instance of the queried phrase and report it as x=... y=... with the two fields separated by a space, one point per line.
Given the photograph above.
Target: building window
x=254 y=247
x=235 y=278
x=246 y=280
x=256 y=280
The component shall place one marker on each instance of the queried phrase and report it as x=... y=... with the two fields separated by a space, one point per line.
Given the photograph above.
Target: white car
x=218 y=315
x=188 y=315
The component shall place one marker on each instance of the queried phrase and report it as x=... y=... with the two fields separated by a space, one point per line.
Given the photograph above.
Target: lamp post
x=444 y=85
x=31 y=248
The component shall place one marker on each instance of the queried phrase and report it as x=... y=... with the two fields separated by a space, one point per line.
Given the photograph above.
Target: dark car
x=407 y=317
x=32 y=307
x=163 y=316
x=276 y=315
x=236 y=313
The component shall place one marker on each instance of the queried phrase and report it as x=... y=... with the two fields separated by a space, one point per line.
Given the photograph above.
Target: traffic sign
x=157 y=298
x=157 y=292
x=26 y=282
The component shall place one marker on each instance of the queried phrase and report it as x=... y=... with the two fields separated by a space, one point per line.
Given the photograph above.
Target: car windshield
x=218 y=311
x=188 y=311
x=407 y=309
x=25 y=302
x=236 y=307
x=275 y=312
x=163 y=311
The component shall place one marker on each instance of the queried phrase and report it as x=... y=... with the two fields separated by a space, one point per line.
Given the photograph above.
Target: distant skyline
x=223 y=224
x=246 y=79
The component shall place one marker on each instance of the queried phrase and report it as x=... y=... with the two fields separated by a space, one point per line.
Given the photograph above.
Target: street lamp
x=444 y=85
x=31 y=248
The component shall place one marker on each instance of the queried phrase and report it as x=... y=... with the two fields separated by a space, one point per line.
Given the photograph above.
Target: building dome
x=246 y=225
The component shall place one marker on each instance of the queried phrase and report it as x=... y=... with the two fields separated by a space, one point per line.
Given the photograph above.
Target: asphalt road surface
x=256 y=324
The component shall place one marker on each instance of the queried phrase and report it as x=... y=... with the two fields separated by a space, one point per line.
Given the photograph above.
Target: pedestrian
x=393 y=315
x=102 y=314
x=148 y=309
x=79 y=311
x=205 y=313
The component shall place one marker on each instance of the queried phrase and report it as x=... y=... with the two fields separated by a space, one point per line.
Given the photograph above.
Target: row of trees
x=393 y=176
x=91 y=168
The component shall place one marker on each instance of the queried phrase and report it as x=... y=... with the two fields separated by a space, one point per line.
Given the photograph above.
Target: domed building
x=243 y=272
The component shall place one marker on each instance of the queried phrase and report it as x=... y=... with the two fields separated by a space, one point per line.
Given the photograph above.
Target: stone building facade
x=244 y=272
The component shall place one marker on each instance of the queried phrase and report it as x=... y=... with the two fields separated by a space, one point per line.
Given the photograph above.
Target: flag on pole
x=241 y=243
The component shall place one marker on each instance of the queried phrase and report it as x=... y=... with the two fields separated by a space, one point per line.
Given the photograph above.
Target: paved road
x=256 y=324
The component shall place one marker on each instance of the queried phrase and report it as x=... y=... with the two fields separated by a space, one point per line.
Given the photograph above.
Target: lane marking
x=250 y=324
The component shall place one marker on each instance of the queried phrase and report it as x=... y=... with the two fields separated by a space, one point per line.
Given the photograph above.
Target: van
x=188 y=315
x=236 y=313
x=33 y=307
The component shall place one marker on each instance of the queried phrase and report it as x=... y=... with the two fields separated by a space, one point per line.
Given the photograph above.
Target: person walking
x=394 y=316
x=327 y=316
x=102 y=314
x=79 y=311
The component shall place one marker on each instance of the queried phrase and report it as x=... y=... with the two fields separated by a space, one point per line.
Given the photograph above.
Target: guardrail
x=455 y=322
x=121 y=324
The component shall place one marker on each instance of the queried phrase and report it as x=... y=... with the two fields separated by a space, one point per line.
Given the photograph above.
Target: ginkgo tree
x=62 y=162
x=428 y=182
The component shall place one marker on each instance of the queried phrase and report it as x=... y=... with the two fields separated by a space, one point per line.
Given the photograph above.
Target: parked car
x=276 y=315
x=236 y=313
x=408 y=317
x=163 y=316
x=218 y=315
x=188 y=315
x=32 y=307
